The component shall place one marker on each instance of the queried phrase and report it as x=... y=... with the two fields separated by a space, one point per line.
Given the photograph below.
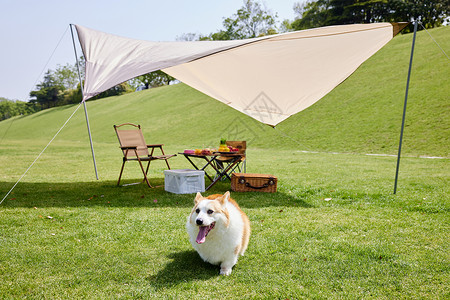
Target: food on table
x=189 y=151
x=206 y=151
x=223 y=146
x=224 y=149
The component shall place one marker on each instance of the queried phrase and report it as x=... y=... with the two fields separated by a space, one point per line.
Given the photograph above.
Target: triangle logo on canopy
x=263 y=108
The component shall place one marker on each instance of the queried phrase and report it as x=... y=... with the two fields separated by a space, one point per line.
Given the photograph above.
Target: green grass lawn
x=333 y=230
x=66 y=235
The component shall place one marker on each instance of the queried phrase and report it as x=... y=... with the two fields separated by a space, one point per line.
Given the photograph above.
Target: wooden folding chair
x=242 y=146
x=134 y=148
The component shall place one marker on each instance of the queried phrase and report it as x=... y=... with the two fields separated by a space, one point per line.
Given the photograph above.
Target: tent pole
x=404 y=106
x=84 y=104
x=90 y=139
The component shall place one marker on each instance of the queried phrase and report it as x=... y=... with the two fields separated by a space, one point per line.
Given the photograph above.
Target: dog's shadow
x=185 y=266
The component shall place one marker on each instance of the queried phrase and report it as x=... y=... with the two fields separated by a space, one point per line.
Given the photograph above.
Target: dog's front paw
x=225 y=271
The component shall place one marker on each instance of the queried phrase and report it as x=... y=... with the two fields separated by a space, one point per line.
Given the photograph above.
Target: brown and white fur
x=219 y=230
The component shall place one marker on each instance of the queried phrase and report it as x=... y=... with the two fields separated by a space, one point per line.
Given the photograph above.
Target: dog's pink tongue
x=201 y=237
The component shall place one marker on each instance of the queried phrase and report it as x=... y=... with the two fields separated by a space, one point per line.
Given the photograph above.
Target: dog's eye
x=197 y=210
x=210 y=211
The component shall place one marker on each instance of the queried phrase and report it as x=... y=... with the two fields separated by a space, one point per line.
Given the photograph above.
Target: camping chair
x=223 y=161
x=134 y=148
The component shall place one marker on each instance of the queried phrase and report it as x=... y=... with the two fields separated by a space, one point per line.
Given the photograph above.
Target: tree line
x=59 y=87
x=431 y=13
x=253 y=19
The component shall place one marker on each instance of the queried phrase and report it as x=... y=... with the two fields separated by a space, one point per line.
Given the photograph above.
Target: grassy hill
x=362 y=115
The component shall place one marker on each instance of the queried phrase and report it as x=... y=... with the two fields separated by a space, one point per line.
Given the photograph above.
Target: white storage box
x=184 y=181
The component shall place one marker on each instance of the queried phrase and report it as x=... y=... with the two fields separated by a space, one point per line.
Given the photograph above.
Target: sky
x=35 y=34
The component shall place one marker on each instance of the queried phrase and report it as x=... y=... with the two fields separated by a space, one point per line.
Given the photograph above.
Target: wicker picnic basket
x=247 y=182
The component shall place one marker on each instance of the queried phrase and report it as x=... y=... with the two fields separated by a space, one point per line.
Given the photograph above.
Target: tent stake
x=84 y=104
x=404 y=106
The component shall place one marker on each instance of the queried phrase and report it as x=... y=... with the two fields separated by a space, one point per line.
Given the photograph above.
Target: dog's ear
x=224 y=199
x=198 y=197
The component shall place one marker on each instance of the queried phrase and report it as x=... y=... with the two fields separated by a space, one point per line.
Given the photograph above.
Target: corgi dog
x=218 y=230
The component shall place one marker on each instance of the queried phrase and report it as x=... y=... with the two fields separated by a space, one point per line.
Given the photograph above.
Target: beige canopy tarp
x=268 y=78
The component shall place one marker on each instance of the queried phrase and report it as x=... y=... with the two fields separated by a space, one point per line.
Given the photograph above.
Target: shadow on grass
x=185 y=266
x=108 y=194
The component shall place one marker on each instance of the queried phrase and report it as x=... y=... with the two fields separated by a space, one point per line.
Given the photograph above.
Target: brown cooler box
x=248 y=182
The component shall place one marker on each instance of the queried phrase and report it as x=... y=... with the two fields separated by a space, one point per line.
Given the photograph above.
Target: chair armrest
x=155 y=146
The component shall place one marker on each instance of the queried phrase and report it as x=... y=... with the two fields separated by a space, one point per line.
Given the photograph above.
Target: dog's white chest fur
x=218 y=230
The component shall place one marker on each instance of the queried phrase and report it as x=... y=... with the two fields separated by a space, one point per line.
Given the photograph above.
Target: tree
x=333 y=12
x=7 y=109
x=311 y=14
x=251 y=20
x=189 y=37
x=319 y=13
x=10 y=108
x=72 y=96
x=117 y=90
x=59 y=87
x=67 y=76
x=286 y=26
x=153 y=79
x=431 y=13
x=49 y=92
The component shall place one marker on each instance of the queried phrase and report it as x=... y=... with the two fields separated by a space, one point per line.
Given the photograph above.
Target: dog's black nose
x=199 y=221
